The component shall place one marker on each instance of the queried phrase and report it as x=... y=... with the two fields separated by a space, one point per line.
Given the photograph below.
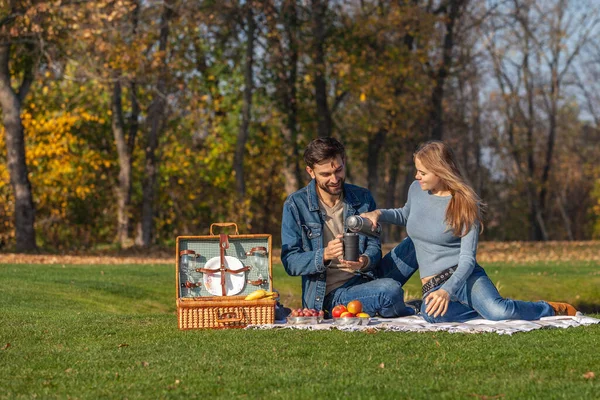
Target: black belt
x=438 y=279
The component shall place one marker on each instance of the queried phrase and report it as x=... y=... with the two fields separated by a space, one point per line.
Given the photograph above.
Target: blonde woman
x=443 y=218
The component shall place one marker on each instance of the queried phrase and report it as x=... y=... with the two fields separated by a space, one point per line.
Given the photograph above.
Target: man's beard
x=335 y=191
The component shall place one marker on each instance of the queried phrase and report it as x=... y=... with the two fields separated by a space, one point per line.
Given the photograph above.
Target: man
x=312 y=228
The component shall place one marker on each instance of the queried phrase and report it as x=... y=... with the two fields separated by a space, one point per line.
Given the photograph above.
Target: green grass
x=111 y=332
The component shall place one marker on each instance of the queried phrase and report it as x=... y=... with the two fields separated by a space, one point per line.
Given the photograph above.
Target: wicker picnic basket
x=214 y=274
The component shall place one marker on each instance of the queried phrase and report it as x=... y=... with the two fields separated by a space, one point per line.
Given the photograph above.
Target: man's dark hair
x=322 y=149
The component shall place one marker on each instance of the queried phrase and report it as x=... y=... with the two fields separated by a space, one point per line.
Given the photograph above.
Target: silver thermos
x=358 y=224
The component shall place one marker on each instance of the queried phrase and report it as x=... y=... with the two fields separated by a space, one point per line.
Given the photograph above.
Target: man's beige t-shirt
x=334 y=225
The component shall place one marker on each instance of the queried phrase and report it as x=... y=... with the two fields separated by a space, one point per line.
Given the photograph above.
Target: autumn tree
x=532 y=51
x=25 y=26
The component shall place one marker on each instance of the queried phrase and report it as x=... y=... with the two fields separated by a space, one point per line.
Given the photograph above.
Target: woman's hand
x=372 y=216
x=437 y=303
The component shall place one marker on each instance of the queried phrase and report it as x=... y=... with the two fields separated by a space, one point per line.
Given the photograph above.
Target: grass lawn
x=110 y=331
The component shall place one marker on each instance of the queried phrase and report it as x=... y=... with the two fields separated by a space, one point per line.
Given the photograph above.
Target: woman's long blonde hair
x=465 y=207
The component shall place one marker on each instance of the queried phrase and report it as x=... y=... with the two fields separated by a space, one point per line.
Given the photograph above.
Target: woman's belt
x=438 y=279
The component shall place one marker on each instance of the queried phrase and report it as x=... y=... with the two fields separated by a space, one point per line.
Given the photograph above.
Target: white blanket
x=418 y=324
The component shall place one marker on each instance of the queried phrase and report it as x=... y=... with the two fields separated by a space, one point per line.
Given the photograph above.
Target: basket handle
x=229 y=318
x=224 y=224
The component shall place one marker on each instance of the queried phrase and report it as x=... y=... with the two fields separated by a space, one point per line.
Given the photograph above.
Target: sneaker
x=562 y=308
x=415 y=304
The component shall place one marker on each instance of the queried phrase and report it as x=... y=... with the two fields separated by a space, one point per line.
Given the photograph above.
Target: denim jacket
x=302 y=244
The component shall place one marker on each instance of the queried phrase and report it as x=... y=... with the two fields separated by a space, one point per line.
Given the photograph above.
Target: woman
x=443 y=218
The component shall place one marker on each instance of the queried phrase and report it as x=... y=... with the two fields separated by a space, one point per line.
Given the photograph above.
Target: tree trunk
x=15 y=151
x=156 y=116
x=376 y=143
x=118 y=128
x=283 y=61
x=563 y=213
x=238 y=159
x=125 y=144
x=324 y=123
x=291 y=14
x=437 y=96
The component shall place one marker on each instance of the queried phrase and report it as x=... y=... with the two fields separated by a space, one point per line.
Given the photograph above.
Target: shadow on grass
x=587 y=307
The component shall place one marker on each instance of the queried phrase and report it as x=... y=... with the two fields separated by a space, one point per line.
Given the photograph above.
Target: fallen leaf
x=123 y=345
x=589 y=375
x=145 y=363
x=6 y=346
x=486 y=397
x=382 y=365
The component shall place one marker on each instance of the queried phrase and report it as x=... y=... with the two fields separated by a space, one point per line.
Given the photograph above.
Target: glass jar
x=187 y=261
x=258 y=258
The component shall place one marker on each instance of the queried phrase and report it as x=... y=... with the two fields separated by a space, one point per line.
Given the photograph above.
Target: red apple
x=338 y=310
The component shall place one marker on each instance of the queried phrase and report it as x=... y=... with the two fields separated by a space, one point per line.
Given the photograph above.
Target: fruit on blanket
x=363 y=315
x=355 y=307
x=338 y=310
x=347 y=314
x=306 y=312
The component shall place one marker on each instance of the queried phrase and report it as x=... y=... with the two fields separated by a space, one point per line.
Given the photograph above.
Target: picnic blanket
x=418 y=324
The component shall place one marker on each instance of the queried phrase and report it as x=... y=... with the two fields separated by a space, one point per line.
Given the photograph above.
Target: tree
x=281 y=67
x=451 y=11
x=125 y=133
x=156 y=123
x=20 y=29
x=238 y=160
x=532 y=54
x=319 y=12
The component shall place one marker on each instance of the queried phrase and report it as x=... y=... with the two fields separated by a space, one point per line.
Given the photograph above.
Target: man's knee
x=390 y=289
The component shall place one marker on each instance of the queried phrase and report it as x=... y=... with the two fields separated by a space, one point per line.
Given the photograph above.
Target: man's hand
x=372 y=216
x=437 y=303
x=355 y=265
x=334 y=249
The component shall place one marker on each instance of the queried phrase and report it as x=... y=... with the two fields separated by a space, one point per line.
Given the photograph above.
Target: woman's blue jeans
x=479 y=298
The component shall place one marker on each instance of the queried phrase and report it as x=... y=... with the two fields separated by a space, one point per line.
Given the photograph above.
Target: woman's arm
x=437 y=301
x=466 y=261
x=396 y=216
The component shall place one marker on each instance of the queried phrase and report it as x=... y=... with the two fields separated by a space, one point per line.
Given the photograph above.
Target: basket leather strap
x=230 y=317
x=223 y=244
x=228 y=270
x=260 y=250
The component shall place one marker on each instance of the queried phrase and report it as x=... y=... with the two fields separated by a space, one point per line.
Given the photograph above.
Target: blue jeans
x=479 y=298
x=382 y=294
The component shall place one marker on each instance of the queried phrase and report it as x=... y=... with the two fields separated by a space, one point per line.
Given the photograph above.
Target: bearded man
x=312 y=228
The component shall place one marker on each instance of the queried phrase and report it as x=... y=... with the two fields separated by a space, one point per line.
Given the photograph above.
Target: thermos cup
x=351 y=246
x=358 y=224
